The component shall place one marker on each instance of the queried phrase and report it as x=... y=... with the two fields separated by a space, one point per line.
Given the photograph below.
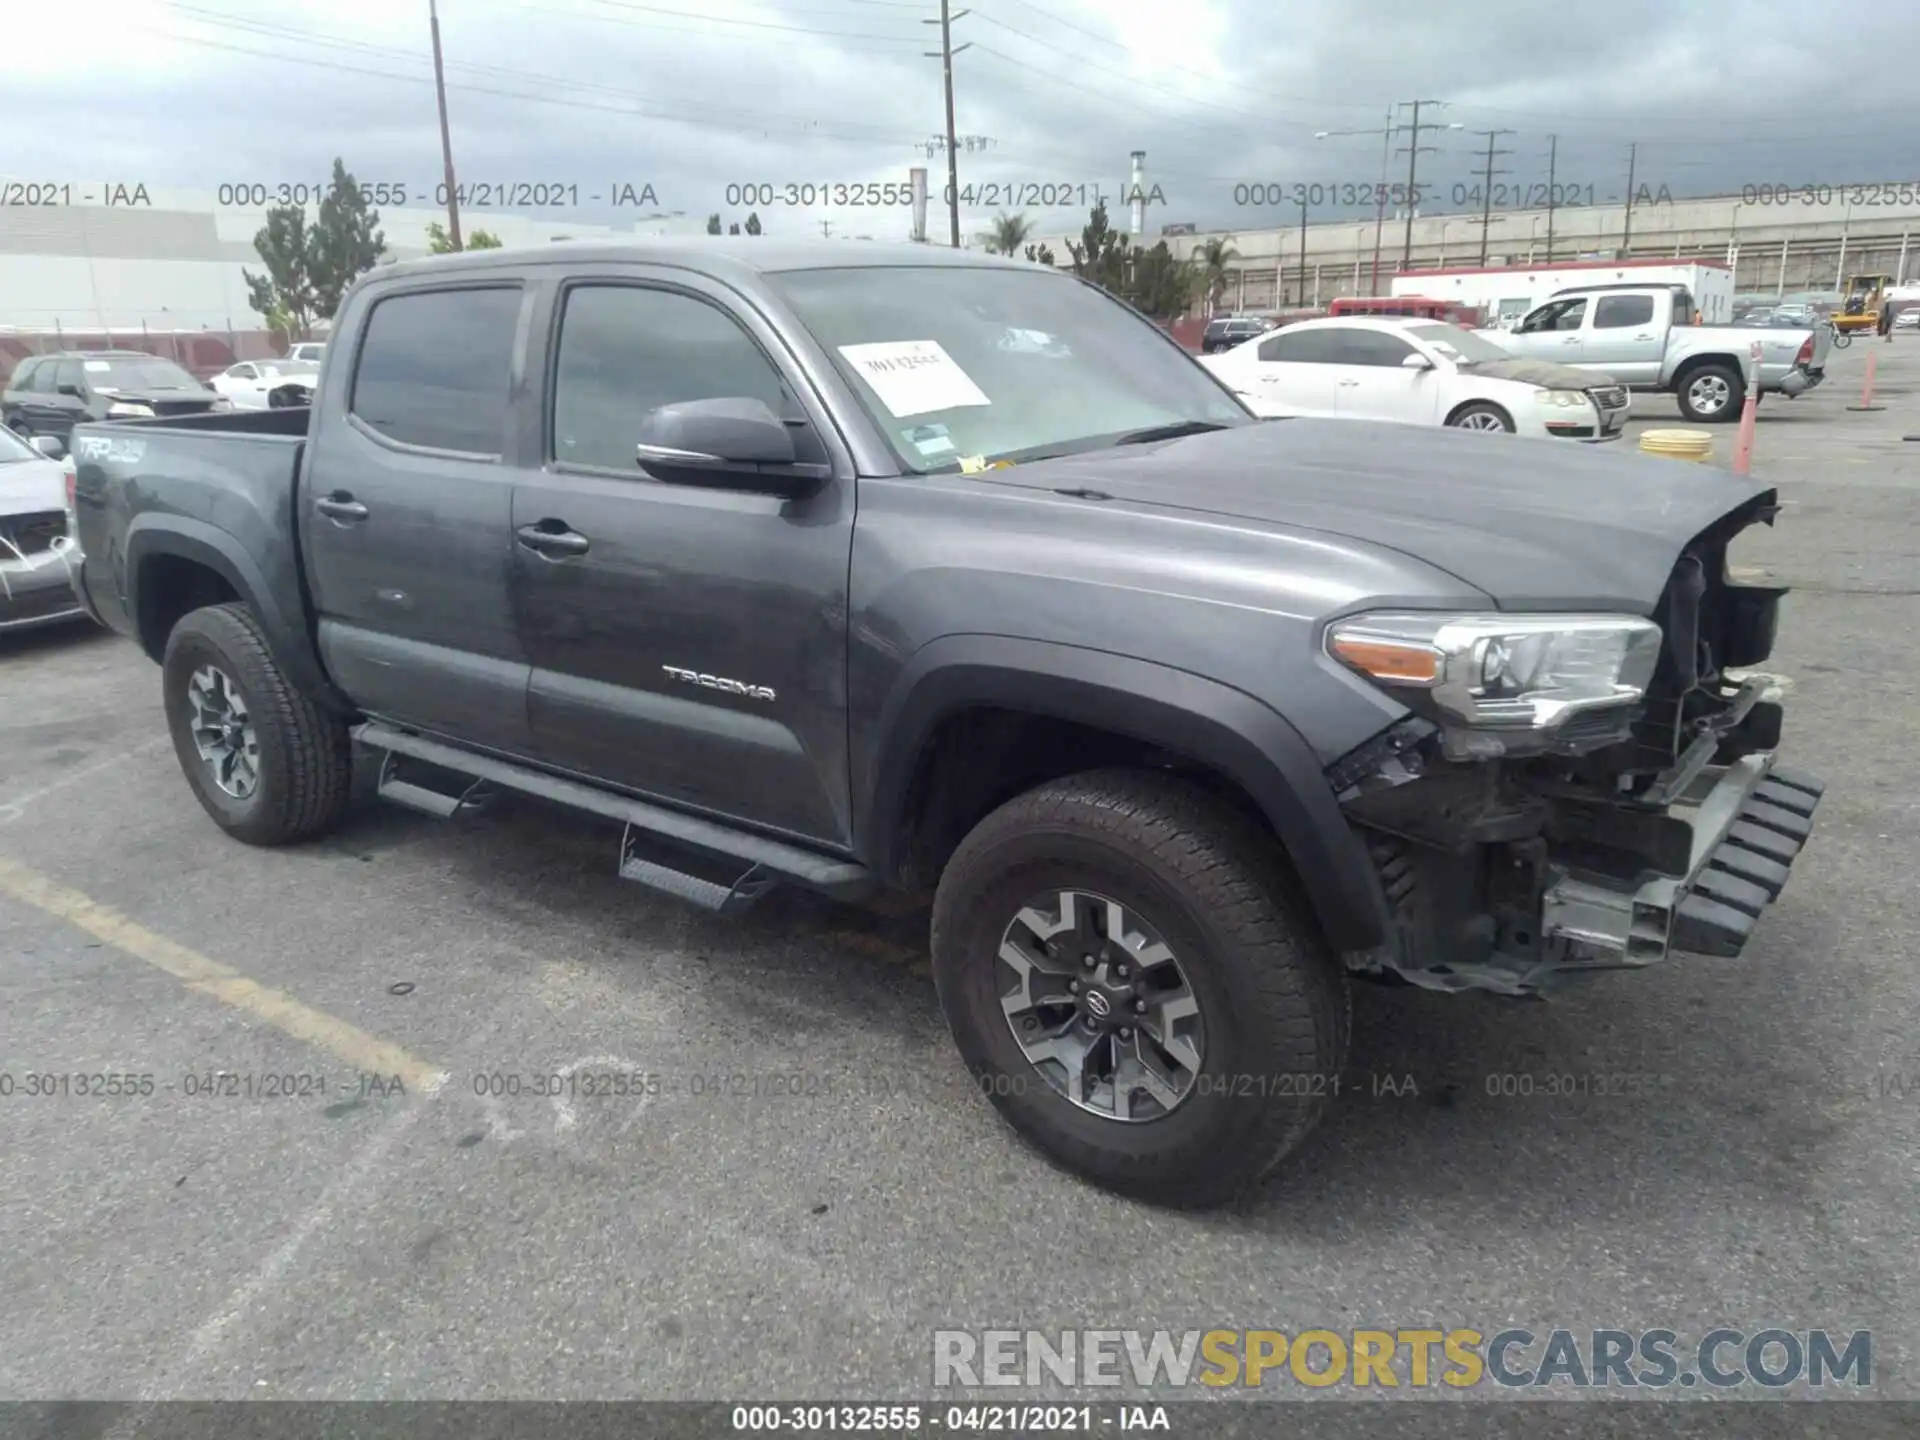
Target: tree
x=1101 y=254
x=753 y=222
x=1211 y=260
x=734 y=228
x=713 y=223
x=284 y=295
x=1041 y=254
x=344 y=242
x=1008 y=234
x=440 y=243
x=1161 y=285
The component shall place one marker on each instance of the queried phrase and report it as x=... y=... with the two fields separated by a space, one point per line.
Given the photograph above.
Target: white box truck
x=1505 y=293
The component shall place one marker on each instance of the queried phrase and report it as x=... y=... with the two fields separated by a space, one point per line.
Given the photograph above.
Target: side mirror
x=734 y=442
x=49 y=446
x=73 y=390
x=1416 y=362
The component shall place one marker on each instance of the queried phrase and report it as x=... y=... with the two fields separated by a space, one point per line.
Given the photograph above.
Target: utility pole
x=1303 y=252
x=1626 y=229
x=1553 y=156
x=446 y=140
x=1380 y=199
x=1486 y=182
x=946 y=52
x=1414 y=149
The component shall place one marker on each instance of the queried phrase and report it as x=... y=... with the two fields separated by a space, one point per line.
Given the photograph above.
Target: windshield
x=960 y=365
x=290 y=369
x=13 y=449
x=154 y=374
x=1459 y=344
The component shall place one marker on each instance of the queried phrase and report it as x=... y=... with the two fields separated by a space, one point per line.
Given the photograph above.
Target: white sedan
x=248 y=384
x=1418 y=372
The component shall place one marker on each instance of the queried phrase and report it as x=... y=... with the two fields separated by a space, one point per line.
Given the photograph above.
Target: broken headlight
x=1502 y=672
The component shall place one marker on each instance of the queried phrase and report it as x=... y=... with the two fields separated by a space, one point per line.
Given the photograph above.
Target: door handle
x=340 y=506
x=1345 y=383
x=552 y=542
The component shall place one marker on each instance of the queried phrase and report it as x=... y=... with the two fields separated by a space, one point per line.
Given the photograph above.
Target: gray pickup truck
x=860 y=566
x=1644 y=337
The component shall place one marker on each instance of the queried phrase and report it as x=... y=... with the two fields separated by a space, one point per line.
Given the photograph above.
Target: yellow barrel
x=1678 y=444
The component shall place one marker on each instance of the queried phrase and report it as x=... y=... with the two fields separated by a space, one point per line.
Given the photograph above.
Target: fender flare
x=1215 y=725
x=154 y=535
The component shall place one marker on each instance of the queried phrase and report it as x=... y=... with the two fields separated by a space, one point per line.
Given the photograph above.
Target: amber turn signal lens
x=1385 y=660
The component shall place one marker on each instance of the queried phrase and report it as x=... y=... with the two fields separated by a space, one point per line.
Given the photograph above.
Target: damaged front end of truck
x=1570 y=794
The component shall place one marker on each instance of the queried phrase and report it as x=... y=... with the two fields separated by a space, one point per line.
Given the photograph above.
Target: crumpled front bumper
x=1749 y=822
x=38 y=589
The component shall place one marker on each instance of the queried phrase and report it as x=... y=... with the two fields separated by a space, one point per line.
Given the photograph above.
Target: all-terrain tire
x=1214 y=883
x=305 y=763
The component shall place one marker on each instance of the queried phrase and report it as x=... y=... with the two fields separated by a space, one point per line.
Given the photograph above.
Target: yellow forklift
x=1860 y=309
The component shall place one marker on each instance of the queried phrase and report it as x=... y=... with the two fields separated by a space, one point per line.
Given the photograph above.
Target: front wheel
x=1132 y=978
x=262 y=759
x=1841 y=338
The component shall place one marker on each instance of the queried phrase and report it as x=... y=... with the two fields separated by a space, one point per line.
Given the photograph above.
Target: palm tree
x=1009 y=234
x=1211 y=261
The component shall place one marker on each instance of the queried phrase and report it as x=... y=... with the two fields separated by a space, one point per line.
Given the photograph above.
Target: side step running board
x=661 y=848
x=476 y=795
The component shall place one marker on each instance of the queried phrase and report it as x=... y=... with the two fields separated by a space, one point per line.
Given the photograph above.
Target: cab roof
x=717 y=255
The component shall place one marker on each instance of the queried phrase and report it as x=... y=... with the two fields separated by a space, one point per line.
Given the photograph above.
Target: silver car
x=38 y=554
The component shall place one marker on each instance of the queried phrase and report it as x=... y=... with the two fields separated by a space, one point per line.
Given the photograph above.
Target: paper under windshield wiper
x=1169 y=432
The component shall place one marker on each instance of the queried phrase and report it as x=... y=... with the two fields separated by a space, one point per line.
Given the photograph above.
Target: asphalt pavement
x=334 y=1171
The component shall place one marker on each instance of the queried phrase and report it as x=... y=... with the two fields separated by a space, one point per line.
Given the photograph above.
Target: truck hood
x=28 y=487
x=1533 y=524
x=1544 y=373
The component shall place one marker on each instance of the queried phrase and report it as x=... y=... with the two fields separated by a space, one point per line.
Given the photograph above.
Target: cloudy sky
x=692 y=96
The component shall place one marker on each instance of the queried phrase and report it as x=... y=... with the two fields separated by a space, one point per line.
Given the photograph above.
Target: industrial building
x=1776 y=243
x=171 y=261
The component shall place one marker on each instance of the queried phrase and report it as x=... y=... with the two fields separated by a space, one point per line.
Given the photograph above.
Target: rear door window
x=1616 y=312
x=435 y=368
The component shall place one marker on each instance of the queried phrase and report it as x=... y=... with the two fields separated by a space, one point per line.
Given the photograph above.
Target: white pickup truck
x=1644 y=337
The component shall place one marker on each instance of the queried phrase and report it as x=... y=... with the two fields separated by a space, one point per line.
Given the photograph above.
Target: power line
x=707 y=18
x=680 y=110
x=1082 y=62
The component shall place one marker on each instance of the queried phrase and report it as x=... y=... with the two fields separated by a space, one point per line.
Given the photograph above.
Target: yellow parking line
x=349 y=1043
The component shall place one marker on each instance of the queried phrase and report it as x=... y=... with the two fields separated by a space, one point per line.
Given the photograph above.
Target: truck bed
x=217 y=487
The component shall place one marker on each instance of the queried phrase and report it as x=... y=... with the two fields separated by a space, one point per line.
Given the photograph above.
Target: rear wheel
x=263 y=760
x=1711 y=394
x=1481 y=415
x=1131 y=976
